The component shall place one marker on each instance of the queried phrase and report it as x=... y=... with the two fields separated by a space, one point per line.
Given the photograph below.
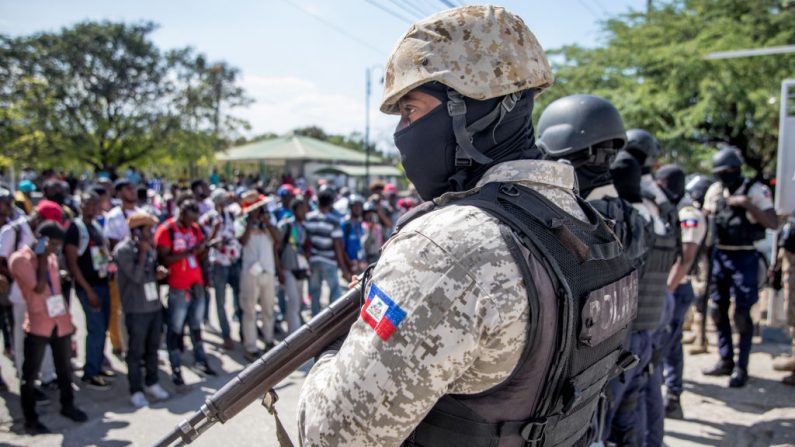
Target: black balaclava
x=674 y=178
x=626 y=173
x=592 y=167
x=428 y=145
x=730 y=178
x=640 y=157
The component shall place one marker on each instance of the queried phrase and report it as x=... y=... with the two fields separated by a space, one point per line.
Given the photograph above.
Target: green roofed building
x=305 y=157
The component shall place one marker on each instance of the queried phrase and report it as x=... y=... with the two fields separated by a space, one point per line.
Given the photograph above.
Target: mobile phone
x=137 y=233
x=41 y=245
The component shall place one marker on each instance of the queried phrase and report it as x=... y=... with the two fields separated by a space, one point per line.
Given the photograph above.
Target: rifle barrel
x=270 y=369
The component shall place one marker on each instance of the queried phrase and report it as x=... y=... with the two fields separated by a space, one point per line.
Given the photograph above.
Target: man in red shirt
x=48 y=322
x=180 y=247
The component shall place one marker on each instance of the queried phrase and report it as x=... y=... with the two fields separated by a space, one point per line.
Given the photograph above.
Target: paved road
x=762 y=414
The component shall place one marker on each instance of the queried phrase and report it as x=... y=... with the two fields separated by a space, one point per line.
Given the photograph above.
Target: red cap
x=50 y=210
x=390 y=188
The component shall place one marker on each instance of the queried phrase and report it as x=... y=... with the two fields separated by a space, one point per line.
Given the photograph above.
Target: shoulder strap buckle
x=533 y=433
x=462 y=159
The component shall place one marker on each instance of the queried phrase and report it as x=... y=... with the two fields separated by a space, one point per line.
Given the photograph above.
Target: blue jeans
x=185 y=304
x=323 y=271
x=673 y=360
x=96 y=328
x=223 y=275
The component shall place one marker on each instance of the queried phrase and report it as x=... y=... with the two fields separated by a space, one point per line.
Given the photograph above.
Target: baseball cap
x=26 y=186
x=121 y=183
x=50 y=210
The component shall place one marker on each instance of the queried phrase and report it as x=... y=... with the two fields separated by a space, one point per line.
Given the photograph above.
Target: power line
x=601 y=7
x=447 y=3
x=589 y=8
x=389 y=11
x=418 y=12
x=334 y=27
x=421 y=7
x=407 y=8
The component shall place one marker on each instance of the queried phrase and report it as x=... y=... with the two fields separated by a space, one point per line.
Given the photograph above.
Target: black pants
x=34 y=353
x=144 y=331
x=7 y=325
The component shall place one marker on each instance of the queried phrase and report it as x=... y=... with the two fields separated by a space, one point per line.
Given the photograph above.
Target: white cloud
x=284 y=103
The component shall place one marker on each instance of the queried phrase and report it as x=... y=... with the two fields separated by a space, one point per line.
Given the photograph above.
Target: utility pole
x=367 y=128
x=367 y=91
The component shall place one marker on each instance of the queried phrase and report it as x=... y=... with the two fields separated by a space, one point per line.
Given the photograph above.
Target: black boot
x=738 y=378
x=673 y=408
x=36 y=428
x=722 y=368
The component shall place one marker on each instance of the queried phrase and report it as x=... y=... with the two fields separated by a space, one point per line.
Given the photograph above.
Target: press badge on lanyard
x=100 y=261
x=56 y=306
x=150 y=290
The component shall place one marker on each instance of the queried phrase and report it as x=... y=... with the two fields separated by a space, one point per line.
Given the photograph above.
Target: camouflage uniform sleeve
x=382 y=382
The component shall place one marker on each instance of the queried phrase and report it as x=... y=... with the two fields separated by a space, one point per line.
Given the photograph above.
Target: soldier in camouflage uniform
x=446 y=307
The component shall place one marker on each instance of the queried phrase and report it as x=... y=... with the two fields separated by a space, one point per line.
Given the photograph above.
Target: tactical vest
x=653 y=281
x=634 y=232
x=582 y=293
x=731 y=222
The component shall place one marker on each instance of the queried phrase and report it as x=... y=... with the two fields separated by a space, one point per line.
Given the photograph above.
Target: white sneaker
x=156 y=391
x=139 y=400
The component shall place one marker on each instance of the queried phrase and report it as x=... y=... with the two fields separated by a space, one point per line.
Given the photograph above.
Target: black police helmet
x=578 y=122
x=726 y=158
x=643 y=146
x=697 y=187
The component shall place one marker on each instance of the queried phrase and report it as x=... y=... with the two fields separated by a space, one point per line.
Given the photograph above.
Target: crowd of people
x=118 y=242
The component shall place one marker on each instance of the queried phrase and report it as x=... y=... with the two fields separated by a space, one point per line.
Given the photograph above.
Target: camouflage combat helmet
x=482 y=52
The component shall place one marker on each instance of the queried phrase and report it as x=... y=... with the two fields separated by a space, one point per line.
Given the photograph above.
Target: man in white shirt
x=260 y=267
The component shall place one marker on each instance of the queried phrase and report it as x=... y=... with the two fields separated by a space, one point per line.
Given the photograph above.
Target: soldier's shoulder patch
x=381 y=313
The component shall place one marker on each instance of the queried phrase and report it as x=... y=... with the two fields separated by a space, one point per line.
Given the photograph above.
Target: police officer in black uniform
x=642 y=145
x=588 y=131
x=741 y=209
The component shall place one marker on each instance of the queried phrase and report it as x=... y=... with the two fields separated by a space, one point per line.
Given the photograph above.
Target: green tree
x=103 y=94
x=652 y=67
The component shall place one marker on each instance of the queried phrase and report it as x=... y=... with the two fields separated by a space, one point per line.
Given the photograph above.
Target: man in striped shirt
x=325 y=250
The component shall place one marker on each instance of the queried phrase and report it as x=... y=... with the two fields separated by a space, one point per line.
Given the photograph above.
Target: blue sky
x=299 y=70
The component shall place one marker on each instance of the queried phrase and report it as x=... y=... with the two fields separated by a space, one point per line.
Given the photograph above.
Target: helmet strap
x=465 y=151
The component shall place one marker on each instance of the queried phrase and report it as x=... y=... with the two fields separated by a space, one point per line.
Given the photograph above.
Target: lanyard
x=49 y=280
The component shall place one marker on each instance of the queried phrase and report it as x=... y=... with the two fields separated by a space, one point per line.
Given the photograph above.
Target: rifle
x=270 y=369
x=710 y=242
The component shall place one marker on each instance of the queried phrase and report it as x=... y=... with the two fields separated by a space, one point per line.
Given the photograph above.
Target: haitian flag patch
x=381 y=313
x=689 y=223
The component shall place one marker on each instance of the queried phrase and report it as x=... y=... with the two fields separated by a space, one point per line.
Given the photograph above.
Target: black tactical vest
x=731 y=222
x=653 y=281
x=582 y=297
x=634 y=232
